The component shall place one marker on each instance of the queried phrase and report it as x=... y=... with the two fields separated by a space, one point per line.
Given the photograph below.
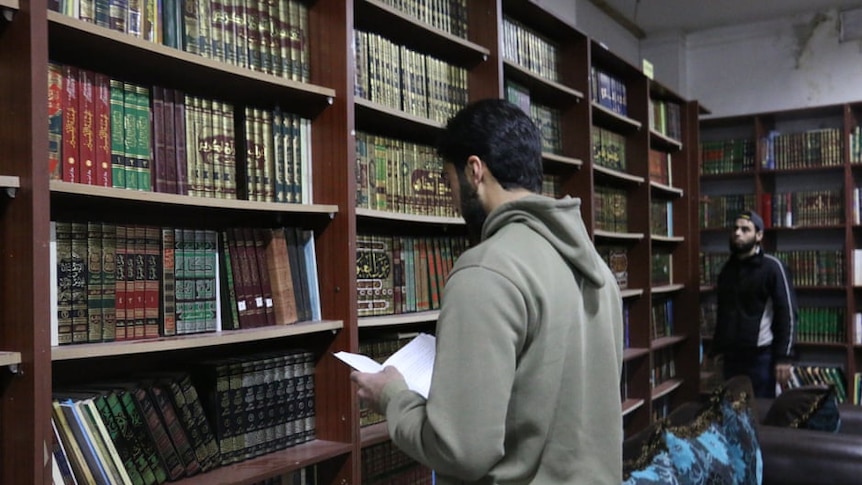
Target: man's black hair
x=502 y=135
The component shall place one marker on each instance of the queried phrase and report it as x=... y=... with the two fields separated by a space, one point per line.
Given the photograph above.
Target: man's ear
x=474 y=170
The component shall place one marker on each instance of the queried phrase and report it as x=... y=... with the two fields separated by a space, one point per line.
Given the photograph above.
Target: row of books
x=857 y=388
x=663 y=367
x=446 y=15
x=720 y=211
x=710 y=265
x=856 y=144
x=119 y=282
x=821 y=324
x=399 y=176
x=608 y=90
x=661 y=217
x=856 y=205
x=385 y=464
x=806 y=375
x=609 y=149
x=269 y=36
x=661 y=318
x=552 y=185
x=163 y=426
x=806 y=208
x=660 y=167
x=616 y=257
x=708 y=312
x=380 y=348
x=402 y=274
x=111 y=133
x=529 y=49
x=398 y=77
x=661 y=269
x=665 y=118
x=611 y=209
x=814 y=267
x=731 y=155
x=547 y=119
x=813 y=148
x=304 y=476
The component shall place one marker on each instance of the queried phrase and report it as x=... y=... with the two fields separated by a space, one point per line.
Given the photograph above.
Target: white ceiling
x=654 y=16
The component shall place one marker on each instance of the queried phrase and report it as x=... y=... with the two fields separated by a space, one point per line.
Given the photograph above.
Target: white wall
x=598 y=26
x=788 y=63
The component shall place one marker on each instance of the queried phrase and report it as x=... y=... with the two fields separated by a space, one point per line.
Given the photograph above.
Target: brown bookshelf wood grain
x=374 y=434
x=60 y=187
x=632 y=353
x=192 y=341
x=663 y=142
x=561 y=159
x=272 y=464
x=400 y=319
x=377 y=117
x=397 y=216
x=668 y=341
x=376 y=16
x=630 y=405
x=91 y=46
x=613 y=120
x=542 y=90
x=665 y=388
x=666 y=190
x=616 y=174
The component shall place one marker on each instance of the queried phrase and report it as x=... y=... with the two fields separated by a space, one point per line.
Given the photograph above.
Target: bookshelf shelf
x=273 y=464
x=88 y=45
x=666 y=239
x=9 y=358
x=376 y=117
x=73 y=189
x=376 y=16
x=543 y=90
x=166 y=344
x=396 y=216
x=373 y=434
x=726 y=176
x=631 y=292
x=666 y=388
x=657 y=290
x=402 y=319
x=664 y=142
x=10 y=4
x=828 y=227
x=622 y=236
x=614 y=121
x=668 y=341
x=822 y=345
x=629 y=405
x=617 y=175
x=632 y=353
x=665 y=190
x=707 y=288
x=561 y=160
x=9 y=182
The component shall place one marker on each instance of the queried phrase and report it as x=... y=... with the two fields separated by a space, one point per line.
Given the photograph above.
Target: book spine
x=152 y=296
x=143 y=142
x=140 y=280
x=109 y=282
x=180 y=131
x=55 y=120
x=71 y=125
x=229 y=311
x=208 y=255
x=94 y=281
x=103 y=130
x=118 y=160
x=173 y=425
x=168 y=324
x=159 y=165
x=87 y=131
x=138 y=402
x=79 y=260
x=120 y=295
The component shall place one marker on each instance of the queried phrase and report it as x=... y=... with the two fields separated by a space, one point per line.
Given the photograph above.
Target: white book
x=415 y=361
x=52 y=276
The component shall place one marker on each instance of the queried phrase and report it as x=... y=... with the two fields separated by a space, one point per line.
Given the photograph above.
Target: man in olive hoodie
x=525 y=388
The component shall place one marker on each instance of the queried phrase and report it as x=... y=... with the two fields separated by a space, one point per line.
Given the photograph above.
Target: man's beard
x=737 y=249
x=471 y=210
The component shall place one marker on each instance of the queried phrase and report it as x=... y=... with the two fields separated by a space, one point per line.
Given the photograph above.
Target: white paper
x=415 y=361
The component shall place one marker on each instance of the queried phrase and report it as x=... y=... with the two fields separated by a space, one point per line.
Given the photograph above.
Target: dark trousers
x=757 y=365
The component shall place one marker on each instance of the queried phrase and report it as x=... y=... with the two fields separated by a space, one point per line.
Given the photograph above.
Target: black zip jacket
x=745 y=289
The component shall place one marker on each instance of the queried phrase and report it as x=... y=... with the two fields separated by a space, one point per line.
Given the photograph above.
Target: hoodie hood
x=559 y=222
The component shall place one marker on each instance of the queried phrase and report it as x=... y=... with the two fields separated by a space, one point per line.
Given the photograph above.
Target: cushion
x=700 y=451
x=739 y=426
x=656 y=468
x=809 y=407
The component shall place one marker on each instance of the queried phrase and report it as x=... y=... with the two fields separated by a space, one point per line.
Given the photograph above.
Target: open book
x=415 y=361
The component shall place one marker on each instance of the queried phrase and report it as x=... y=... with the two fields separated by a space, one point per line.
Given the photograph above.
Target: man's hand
x=371 y=385
x=782 y=374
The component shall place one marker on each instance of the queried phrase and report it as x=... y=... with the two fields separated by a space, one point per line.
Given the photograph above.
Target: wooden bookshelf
x=374 y=434
x=666 y=388
x=337 y=113
x=192 y=341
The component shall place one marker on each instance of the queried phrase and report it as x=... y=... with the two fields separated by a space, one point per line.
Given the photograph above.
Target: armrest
x=805 y=457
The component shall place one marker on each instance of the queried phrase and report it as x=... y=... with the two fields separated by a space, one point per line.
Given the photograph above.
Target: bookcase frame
x=30 y=367
x=845 y=235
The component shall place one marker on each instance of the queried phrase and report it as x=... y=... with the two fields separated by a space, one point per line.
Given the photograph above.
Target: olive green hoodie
x=529 y=355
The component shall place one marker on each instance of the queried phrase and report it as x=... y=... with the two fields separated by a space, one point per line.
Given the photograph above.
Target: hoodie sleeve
x=460 y=430
x=785 y=312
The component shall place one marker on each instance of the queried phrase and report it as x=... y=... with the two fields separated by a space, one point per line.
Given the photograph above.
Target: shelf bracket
x=11 y=192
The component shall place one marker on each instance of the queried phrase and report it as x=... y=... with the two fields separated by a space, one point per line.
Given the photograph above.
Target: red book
x=71 y=127
x=87 y=124
x=766 y=209
x=103 y=131
x=152 y=279
x=55 y=119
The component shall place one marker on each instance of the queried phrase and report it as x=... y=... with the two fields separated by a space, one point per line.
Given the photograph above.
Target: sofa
x=794 y=456
x=732 y=438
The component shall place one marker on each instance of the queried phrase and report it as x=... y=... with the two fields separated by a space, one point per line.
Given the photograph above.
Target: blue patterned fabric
x=700 y=458
x=743 y=445
x=660 y=471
